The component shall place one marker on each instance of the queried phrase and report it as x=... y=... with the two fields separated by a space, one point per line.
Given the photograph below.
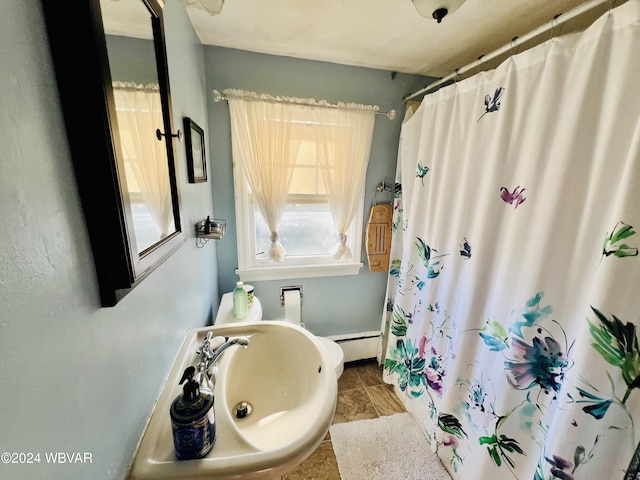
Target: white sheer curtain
x=512 y=302
x=139 y=115
x=343 y=137
x=265 y=143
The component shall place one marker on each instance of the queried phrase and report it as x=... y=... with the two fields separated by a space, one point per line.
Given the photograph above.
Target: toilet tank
x=225 y=311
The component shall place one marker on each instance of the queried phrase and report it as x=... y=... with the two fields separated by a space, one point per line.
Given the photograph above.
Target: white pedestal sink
x=287 y=380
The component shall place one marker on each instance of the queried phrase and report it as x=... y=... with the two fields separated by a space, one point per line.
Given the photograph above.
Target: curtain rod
x=559 y=19
x=218 y=96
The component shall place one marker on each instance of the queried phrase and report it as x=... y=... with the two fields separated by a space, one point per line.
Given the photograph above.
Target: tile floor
x=361 y=395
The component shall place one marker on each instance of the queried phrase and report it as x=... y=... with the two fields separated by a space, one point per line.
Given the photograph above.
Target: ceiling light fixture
x=437 y=9
x=214 y=7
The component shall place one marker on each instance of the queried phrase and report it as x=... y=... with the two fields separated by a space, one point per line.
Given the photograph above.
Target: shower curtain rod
x=217 y=96
x=549 y=26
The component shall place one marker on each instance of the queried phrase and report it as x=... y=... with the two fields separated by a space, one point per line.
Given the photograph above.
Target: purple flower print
x=450 y=441
x=434 y=373
x=559 y=465
x=422 y=346
x=514 y=198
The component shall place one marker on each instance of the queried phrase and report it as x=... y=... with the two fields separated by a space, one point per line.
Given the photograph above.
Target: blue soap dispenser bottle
x=192 y=419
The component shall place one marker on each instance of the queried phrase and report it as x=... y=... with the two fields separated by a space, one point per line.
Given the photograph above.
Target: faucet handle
x=205 y=343
x=208 y=346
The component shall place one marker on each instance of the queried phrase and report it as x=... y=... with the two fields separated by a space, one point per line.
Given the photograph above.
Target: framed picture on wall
x=196 y=160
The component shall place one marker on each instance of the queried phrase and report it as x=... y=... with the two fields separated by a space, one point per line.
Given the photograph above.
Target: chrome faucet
x=209 y=357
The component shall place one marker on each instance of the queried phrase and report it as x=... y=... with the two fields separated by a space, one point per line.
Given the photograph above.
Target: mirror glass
x=143 y=163
x=114 y=99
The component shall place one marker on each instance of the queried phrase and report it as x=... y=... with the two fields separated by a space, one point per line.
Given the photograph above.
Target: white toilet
x=225 y=315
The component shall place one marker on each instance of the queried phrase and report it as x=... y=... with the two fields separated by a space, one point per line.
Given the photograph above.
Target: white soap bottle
x=240 y=301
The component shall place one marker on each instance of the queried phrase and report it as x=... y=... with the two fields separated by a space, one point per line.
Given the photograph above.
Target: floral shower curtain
x=513 y=297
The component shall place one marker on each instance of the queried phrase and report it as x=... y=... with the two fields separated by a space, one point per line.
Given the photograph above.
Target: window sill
x=284 y=272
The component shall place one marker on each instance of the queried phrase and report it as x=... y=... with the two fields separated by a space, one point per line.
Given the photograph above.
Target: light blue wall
x=79 y=378
x=131 y=59
x=333 y=305
x=76 y=377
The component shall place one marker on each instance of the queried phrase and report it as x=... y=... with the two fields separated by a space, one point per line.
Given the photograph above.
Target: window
x=299 y=199
x=307 y=230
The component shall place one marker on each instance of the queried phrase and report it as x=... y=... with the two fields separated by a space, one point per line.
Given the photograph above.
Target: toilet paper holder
x=288 y=289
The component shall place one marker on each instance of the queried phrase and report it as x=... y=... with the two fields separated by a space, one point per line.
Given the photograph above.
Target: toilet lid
x=334 y=350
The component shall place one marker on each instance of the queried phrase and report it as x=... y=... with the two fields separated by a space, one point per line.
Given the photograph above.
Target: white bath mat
x=385 y=448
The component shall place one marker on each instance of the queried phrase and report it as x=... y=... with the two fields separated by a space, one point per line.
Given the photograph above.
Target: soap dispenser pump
x=192 y=419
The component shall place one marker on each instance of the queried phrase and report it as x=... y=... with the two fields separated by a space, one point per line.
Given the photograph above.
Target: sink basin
x=286 y=379
x=280 y=377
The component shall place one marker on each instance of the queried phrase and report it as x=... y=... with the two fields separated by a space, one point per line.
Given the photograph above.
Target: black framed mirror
x=113 y=79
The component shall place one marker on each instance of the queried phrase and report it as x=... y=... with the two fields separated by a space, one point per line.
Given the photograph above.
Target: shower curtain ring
x=553 y=26
x=478 y=63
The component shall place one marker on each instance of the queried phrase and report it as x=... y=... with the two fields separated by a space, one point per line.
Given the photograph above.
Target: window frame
x=252 y=269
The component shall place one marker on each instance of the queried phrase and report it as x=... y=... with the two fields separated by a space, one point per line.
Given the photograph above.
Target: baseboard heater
x=358 y=346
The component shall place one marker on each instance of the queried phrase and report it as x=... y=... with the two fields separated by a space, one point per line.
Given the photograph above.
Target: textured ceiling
x=383 y=34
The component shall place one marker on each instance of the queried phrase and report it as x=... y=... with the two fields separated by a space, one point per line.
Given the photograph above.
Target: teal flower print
x=540 y=363
x=396 y=264
x=399 y=322
x=477 y=396
x=434 y=308
x=532 y=315
x=422 y=172
x=597 y=407
x=409 y=366
x=495 y=336
x=428 y=259
x=435 y=373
